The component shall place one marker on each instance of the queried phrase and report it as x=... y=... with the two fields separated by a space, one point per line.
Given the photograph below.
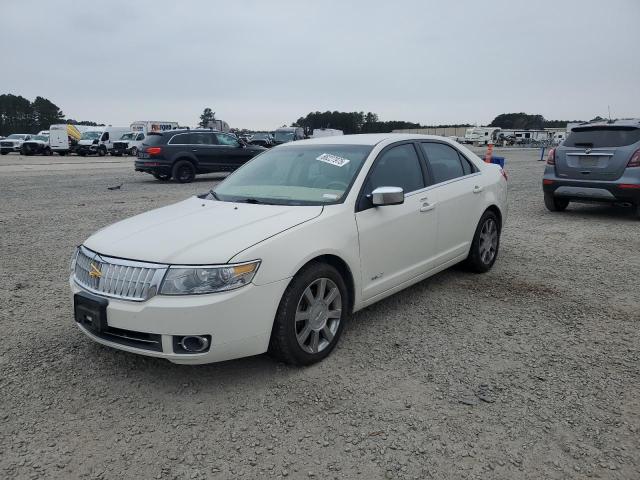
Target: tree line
x=354 y=122
x=19 y=115
x=524 y=121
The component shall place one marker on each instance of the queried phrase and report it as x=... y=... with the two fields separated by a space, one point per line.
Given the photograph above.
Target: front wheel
x=485 y=244
x=311 y=316
x=102 y=151
x=554 y=204
x=133 y=152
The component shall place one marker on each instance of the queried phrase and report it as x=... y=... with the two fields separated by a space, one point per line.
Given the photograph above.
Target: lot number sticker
x=333 y=160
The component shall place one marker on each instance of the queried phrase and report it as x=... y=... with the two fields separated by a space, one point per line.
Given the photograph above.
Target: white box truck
x=64 y=137
x=147 y=126
x=326 y=132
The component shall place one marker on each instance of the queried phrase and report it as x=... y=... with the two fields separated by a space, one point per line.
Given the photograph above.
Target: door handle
x=426 y=206
x=477 y=189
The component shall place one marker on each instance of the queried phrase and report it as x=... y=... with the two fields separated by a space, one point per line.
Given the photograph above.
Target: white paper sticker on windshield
x=330 y=196
x=333 y=160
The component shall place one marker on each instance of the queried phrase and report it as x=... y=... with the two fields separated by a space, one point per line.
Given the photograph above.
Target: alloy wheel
x=318 y=315
x=488 y=240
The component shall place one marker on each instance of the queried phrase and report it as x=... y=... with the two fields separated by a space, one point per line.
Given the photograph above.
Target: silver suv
x=598 y=162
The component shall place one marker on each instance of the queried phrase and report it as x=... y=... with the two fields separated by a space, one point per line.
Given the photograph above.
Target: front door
x=397 y=242
x=232 y=152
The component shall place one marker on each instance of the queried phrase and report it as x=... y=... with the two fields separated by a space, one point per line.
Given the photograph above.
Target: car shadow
x=598 y=211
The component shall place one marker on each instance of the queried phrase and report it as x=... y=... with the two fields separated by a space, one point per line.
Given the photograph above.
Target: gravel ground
x=529 y=371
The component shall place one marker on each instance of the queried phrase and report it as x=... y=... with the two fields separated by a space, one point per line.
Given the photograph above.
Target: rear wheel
x=311 y=316
x=183 y=171
x=554 y=204
x=485 y=244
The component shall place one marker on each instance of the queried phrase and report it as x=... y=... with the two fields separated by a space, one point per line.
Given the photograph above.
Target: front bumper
x=625 y=189
x=14 y=148
x=239 y=322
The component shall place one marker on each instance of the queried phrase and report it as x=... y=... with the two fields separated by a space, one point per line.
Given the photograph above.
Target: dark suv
x=598 y=162
x=182 y=154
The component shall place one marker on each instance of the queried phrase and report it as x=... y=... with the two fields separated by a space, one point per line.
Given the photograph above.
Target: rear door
x=596 y=152
x=455 y=194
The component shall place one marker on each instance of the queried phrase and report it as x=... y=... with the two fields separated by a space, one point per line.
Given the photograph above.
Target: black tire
x=82 y=154
x=3 y=153
x=554 y=204
x=62 y=154
x=133 y=152
x=477 y=260
x=102 y=150
x=48 y=152
x=183 y=171
x=637 y=210
x=163 y=177
x=283 y=344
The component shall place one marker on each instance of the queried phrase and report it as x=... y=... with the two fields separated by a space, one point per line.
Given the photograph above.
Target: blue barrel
x=498 y=161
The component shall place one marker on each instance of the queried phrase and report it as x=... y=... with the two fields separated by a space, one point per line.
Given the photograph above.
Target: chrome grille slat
x=124 y=279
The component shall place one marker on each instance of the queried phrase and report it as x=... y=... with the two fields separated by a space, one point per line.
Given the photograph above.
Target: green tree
x=45 y=114
x=207 y=116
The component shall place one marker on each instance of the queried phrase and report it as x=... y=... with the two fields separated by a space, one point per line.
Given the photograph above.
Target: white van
x=99 y=140
x=64 y=137
x=128 y=144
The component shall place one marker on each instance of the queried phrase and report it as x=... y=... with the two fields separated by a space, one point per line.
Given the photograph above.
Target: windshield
x=300 y=175
x=44 y=138
x=128 y=136
x=283 y=136
x=595 y=137
x=17 y=136
x=90 y=135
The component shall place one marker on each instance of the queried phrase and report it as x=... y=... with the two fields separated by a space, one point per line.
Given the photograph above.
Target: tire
x=323 y=319
x=554 y=204
x=485 y=245
x=163 y=177
x=48 y=152
x=82 y=154
x=637 y=211
x=3 y=153
x=133 y=152
x=62 y=154
x=183 y=171
x=102 y=151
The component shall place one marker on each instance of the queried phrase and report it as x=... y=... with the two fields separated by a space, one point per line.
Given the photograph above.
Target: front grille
x=6 y=144
x=120 y=146
x=117 y=278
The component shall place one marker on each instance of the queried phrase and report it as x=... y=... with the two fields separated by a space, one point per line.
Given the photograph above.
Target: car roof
x=623 y=122
x=186 y=130
x=365 y=139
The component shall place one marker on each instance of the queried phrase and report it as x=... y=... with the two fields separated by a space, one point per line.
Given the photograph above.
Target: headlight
x=207 y=279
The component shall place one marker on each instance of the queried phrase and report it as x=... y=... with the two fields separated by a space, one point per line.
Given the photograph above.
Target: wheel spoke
x=328 y=334
x=309 y=296
x=300 y=316
x=334 y=313
x=321 y=289
x=333 y=293
x=304 y=334
x=315 y=340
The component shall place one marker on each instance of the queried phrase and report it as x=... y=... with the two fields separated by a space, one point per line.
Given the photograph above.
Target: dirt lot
x=529 y=371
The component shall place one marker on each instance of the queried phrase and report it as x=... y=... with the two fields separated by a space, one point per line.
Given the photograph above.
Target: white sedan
x=279 y=254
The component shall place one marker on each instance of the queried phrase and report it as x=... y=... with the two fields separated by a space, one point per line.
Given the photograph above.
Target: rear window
x=590 y=137
x=154 y=139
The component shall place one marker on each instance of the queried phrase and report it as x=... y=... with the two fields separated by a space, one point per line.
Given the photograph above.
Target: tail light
x=551 y=159
x=153 y=150
x=635 y=159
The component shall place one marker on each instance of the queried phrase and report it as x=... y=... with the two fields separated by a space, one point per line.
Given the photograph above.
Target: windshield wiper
x=254 y=201
x=214 y=194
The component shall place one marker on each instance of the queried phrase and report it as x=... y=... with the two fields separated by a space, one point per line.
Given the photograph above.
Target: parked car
x=262 y=139
x=36 y=145
x=598 y=162
x=128 y=144
x=288 y=134
x=278 y=255
x=183 y=154
x=13 y=142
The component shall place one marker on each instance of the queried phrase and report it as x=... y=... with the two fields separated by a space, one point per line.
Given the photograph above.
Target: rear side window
x=590 y=137
x=181 y=139
x=154 y=139
x=445 y=162
x=202 y=139
x=397 y=167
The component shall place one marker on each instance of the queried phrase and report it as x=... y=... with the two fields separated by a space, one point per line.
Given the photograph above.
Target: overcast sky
x=260 y=64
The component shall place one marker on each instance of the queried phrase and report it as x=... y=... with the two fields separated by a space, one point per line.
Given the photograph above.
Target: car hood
x=85 y=142
x=197 y=231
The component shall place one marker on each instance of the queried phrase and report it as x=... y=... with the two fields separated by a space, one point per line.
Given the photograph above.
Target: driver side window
x=227 y=140
x=397 y=167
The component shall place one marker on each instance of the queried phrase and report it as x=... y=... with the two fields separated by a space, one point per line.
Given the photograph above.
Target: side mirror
x=382 y=196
